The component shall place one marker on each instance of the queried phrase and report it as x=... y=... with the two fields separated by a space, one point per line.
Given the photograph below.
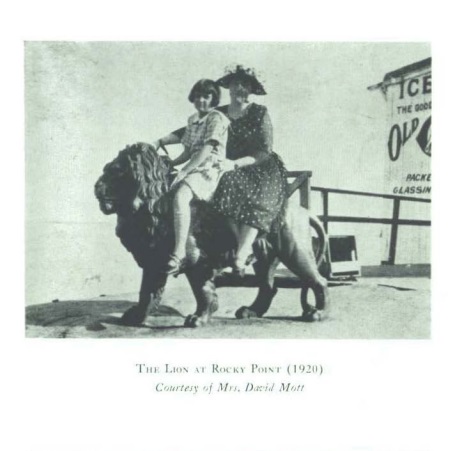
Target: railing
x=302 y=184
x=394 y=221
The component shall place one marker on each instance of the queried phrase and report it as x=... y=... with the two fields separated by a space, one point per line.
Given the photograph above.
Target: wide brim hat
x=244 y=74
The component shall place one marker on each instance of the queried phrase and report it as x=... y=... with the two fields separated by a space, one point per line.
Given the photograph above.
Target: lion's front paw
x=134 y=316
x=195 y=321
x=192 y=321
x=245 y=313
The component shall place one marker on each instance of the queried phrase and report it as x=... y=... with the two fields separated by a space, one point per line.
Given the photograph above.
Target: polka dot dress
x=254 y=195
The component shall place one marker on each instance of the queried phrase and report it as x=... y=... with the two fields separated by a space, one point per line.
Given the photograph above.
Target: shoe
x=173 y=265
x=251 y=260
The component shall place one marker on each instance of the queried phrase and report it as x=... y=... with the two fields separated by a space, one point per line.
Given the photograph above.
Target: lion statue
x=135 y=187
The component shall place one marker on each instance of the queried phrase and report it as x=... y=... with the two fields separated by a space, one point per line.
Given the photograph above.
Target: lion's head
x=137 y=177
x=131 y=186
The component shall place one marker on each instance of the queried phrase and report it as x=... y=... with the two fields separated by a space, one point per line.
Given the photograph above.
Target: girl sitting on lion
x=205 y=141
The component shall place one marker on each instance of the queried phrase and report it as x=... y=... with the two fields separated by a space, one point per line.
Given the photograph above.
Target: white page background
x=87 y=395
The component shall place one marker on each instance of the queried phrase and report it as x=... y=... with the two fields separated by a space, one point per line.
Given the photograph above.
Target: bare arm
x=198 y=158
x=245 y=161
x=172 y=138
x=182 y=158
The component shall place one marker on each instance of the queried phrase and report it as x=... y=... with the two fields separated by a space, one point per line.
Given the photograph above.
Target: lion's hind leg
x=298 y=257
x=265 y=268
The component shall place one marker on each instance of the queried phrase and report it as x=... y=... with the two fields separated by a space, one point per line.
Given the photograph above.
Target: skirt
x=204 y=180
x=254 y=195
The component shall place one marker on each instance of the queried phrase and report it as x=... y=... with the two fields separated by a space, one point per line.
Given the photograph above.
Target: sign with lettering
x=407 y=92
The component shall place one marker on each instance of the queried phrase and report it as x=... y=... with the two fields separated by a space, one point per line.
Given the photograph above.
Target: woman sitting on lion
x=253 y=195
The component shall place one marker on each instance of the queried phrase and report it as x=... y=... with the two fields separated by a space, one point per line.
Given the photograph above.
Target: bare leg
x=234 y=226
x=182 y=218
x=246 y=238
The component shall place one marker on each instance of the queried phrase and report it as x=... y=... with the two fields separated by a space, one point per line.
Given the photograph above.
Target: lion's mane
x=138 y=174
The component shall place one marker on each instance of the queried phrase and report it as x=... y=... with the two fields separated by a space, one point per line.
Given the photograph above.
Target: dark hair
x=206 y=86
x=241 y=73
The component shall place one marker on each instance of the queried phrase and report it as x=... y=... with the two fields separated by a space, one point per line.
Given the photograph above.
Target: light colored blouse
x=209 y=129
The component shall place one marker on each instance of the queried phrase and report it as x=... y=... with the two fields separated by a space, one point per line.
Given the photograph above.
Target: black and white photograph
x=228 y=189
x=218 y=227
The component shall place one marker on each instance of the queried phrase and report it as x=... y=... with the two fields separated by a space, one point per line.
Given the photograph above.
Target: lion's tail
x=316 y=224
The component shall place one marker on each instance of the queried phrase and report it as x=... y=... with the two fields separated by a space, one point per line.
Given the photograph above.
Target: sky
x=86 y=101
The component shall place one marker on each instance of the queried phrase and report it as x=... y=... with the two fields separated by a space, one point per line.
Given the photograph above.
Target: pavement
x=369 y=308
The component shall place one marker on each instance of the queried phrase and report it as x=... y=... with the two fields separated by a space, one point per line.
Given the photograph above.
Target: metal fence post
x=325 y=194
x=394 y=232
